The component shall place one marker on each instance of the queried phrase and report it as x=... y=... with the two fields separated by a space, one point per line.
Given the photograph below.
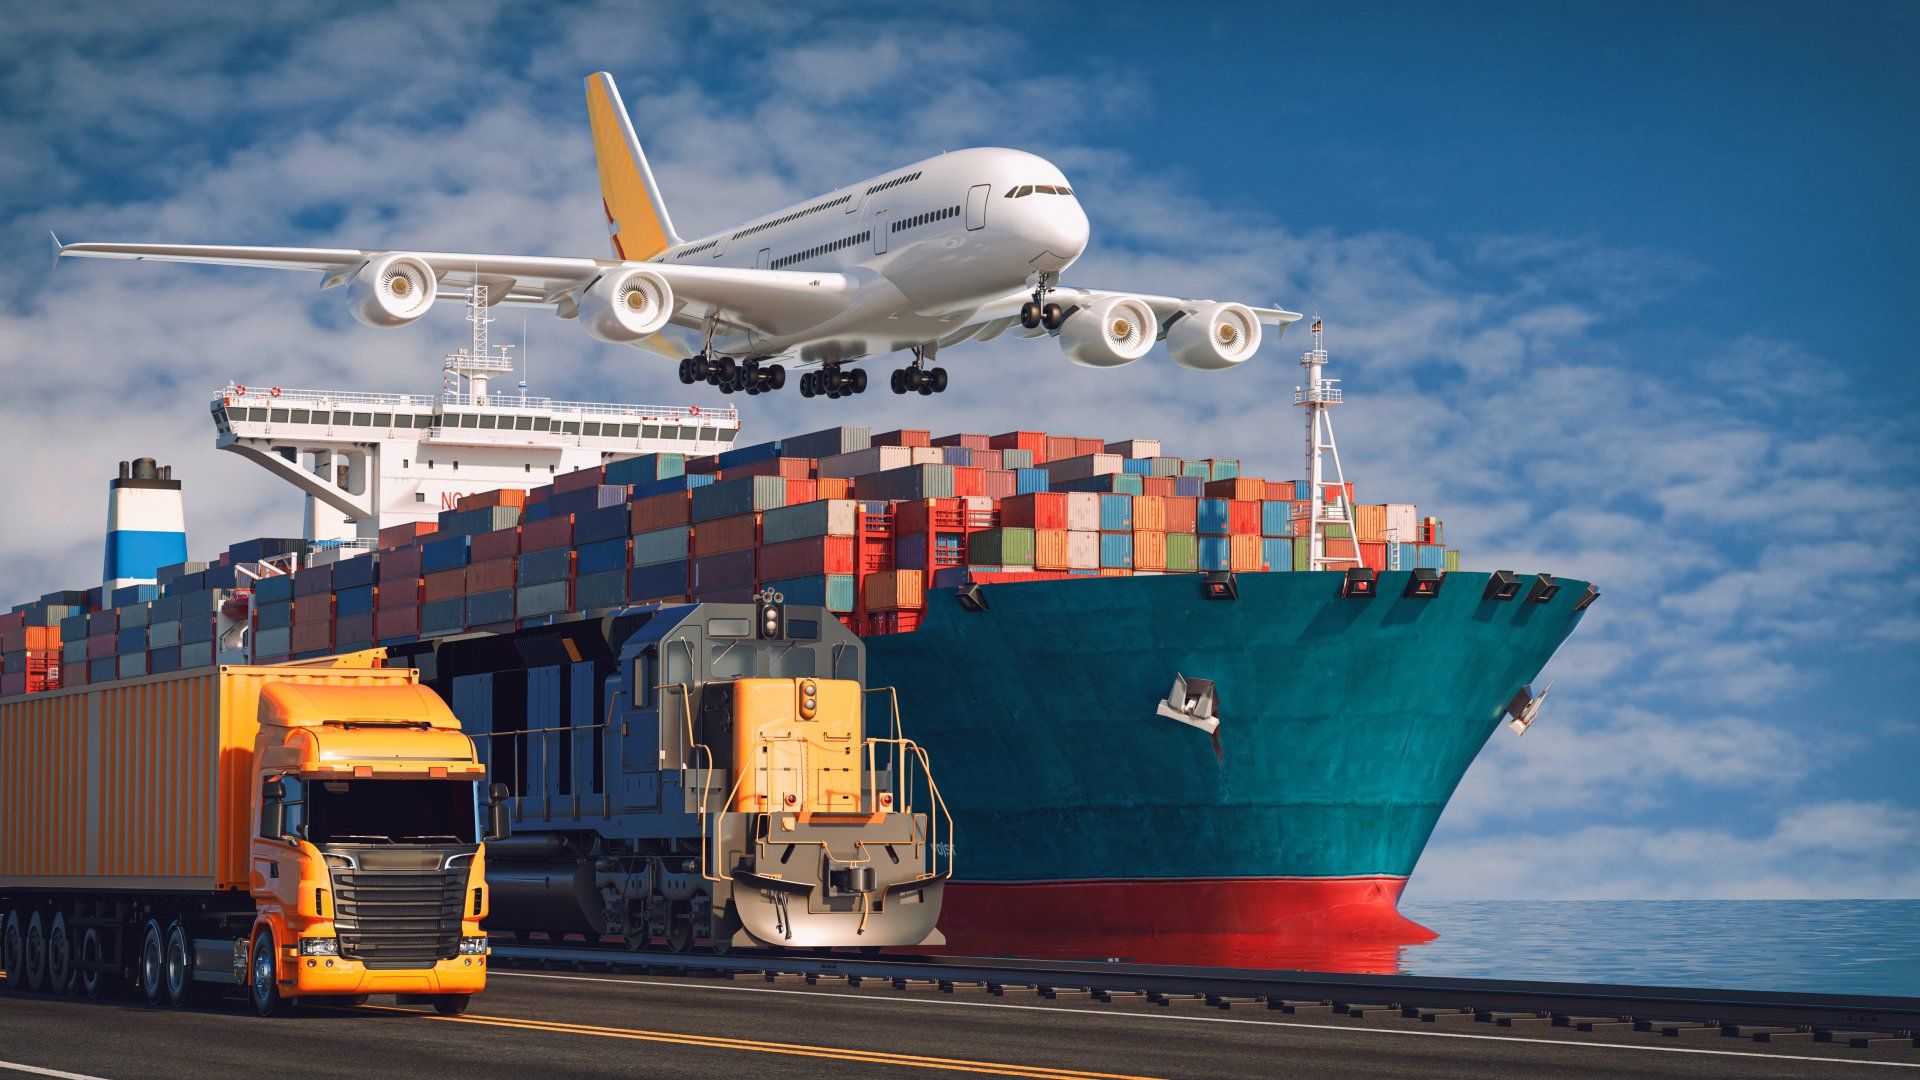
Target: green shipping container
x=1340 y=532
x=1224 y=468
x=1452 y=562
x=660 y=546
x=1001 y=547
x=1302 y=552
x=1183 y=552
x=822 y=517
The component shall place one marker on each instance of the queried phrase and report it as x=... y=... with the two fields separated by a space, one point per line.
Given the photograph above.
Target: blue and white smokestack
x=146 y=524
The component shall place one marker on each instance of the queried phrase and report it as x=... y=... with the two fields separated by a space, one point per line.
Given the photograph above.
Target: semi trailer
x=312 y=830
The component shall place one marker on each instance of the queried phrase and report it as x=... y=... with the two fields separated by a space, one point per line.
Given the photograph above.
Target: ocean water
x=1809 y=946
x=1849 y=947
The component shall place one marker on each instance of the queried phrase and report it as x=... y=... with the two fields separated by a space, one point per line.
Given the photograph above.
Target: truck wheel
x=181 y=989
x=265 y=991
x=153 y=962
x=60 y=974
x=13 y=950
x=37 y=951
x=92 y=950
x=451 y=1004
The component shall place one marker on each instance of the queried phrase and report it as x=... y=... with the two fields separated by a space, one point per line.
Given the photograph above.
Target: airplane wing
x=1002 y=315
x=772 y=302
x=1166 y=307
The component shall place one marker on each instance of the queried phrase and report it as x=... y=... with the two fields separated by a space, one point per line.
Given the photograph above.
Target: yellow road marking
x=719 y=1042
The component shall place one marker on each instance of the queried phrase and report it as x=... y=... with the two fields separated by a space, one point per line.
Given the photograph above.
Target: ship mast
x=1317 y=397
x=465 y=373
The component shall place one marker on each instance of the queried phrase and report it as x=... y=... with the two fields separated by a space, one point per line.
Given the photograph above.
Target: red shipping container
x=1001 y=483
x=904 y=437
x=483 y=500
x=1373 y=553
x=986 y=459
x=1245 y=553
x=540 y=494
x=394 y=536
x=839 y=487
x=554 y=532
x=101 y=646
x=1034 y=442
x=801 y=491
x=579 y=480
x=1050 y=548
x=12 y=620
x=792 y=468
x=737 y=533
x=1083 y=447
x=968 y=480
x=1183 y=513
x=971 y=442
x=396 y=623
x=1237 y=487
x=917 y=517
x=312 y=609
x=1243 y=517
x=1161 y=487
x=396 y=593
x=1279 y=491
x=440 y=585
x=312 y=637
x=1060 y=448
x=491 y=576
x=661 y=512
x=807 y=557
x=499 y=544
x=401 y=562
x=1149 y=548
x=1035 y=510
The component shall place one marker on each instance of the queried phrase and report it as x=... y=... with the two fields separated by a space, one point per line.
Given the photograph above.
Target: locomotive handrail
x=910 y=749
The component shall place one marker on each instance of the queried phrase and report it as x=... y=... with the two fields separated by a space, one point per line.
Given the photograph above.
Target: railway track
x=1861 y=1022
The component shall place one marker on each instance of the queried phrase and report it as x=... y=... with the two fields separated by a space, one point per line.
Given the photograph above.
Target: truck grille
x=397 y=919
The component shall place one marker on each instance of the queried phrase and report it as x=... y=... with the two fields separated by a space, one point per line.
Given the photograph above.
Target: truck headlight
x=319 y=946
x=473 y=946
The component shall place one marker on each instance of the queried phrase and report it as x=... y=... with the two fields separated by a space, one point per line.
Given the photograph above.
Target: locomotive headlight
x=473 y=946
x=319 y=946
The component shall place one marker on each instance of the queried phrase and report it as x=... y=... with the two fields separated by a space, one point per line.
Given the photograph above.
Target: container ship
x=1167 y=700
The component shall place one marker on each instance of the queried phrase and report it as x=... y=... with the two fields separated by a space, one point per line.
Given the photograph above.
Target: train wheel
x=153 y=962
x=60 y=952
x=637 y=941
x=13 y=950
x=265 y=990
x=92 y=950
x=451 y=1004
x=36 y=964
x=680 y=928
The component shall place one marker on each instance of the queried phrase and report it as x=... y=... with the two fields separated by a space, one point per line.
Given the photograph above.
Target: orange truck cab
x=303 y=831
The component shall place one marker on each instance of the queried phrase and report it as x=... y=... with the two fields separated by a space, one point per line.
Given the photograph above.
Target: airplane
x=956 y=248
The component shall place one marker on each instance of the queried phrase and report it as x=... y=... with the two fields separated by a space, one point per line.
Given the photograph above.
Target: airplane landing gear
x=1039 y=311
x=917 y=377
x=831 y=382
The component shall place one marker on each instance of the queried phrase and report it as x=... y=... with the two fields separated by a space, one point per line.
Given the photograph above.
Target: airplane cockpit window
x=1025 y=190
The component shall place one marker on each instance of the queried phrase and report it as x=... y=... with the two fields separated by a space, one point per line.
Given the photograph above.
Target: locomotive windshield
x=391 y=812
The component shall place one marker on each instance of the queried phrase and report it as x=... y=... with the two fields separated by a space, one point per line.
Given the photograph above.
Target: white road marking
x=1116 y=1013
x=14 y=1066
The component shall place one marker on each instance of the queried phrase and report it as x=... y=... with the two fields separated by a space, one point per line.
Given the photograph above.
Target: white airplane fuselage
x=928 y=251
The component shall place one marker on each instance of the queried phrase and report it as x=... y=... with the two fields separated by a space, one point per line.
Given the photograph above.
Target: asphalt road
x=568 y=1025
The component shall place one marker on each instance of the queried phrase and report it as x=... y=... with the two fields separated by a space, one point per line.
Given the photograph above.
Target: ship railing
x=235 y=393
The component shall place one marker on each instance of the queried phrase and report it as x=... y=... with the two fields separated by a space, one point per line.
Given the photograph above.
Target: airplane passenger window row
x=926 y=218
x=894 y=183
x=695 y=250
x=795 y=216
x=1025 y=190
x=841 y=244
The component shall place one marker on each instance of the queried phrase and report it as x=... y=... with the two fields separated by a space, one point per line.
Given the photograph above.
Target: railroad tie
x=1300 y=1008
x=1362 y=1011
x=1232 y=1001
x=1683 y=1030
x=916 y=984
x=1005 y=990
x=1066 y=993
x=818 y=979
x=1440 y=1016
x=1881 y=1040
x=1512 y=1019
x=1752 y=1031
x=786 y=977
x=1783 y=1035
x=948 y=986
x=1120 y=995
x=1172 y=1000
x=1607 y=1023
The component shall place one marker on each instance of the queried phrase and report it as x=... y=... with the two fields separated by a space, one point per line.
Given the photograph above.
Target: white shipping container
x=1083 y=512
x=1135 y=448
x=1083 y=550
x=1402 y=522
x=878 y=459
x=1079 y=468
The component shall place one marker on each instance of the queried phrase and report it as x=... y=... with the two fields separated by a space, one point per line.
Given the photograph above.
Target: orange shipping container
x=483 y=500
x=441 y=585
x=1373 y=554
x=308 y=610
x=1244 y=554
x=394 y=536
x=1370 y=522
x=491 y=576
x=1050 y=549
x=737 y=533
x=1149 y=548
x=1159 y=486
x=395 y=593
x=312 y=637
x=894 y=590
x=834 y=488
x=1149 y=514
x=661 y=512
x=1237 y=487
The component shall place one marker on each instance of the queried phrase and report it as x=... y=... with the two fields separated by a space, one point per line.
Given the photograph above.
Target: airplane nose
x=1062 y=234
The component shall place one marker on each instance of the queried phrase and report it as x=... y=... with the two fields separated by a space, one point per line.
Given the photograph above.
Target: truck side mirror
x=498 y=825
x=273 y=809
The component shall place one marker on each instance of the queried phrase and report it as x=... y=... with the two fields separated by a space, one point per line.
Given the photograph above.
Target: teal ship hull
x=1346 y=725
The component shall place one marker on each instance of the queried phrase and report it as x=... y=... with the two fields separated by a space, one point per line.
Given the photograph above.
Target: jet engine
x=392 y=290
x=1214 y=337
x=1109 y=332
x=626 y=305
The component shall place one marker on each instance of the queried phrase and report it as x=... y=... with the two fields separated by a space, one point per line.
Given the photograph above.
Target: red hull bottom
x=1334 y=924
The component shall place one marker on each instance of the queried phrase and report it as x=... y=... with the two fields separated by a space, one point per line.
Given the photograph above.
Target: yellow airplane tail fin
x=637 y=219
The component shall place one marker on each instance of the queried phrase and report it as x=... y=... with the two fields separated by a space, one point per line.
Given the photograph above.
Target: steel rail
x=1732 y=1008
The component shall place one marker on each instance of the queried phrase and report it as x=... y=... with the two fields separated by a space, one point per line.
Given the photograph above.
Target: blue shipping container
x=600 y=524
x=646 y=468
x=684 y=482
x=541 y=567
x=601 y=556
x=1189 y=487
x=438 y=615
x=1276 y=519
x=355 y=601
x=490 y=607
x=1116 y=549
x=1212 y=519
x=1216 y=552
x=658 y=582
x=1028 y=481
x=1277 y=552
x=1138 y=466
x=359 y=570
x=602 y=590
x=744 y=495
x=447 y=554
x=831 y=591
x=1116 y=515
x=747 y=455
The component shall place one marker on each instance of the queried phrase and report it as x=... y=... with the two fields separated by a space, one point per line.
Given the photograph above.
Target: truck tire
x=36 y=964
x=153 y=962
x=61 y=978
x=451 y=1004
x=182 y=991
x=265 y=988
x=93 y=949
x=13 y=950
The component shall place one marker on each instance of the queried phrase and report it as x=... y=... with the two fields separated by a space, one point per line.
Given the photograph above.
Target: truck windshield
x=391 y=812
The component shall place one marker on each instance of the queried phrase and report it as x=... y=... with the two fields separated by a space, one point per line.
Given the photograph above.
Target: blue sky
x=1620 y=293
